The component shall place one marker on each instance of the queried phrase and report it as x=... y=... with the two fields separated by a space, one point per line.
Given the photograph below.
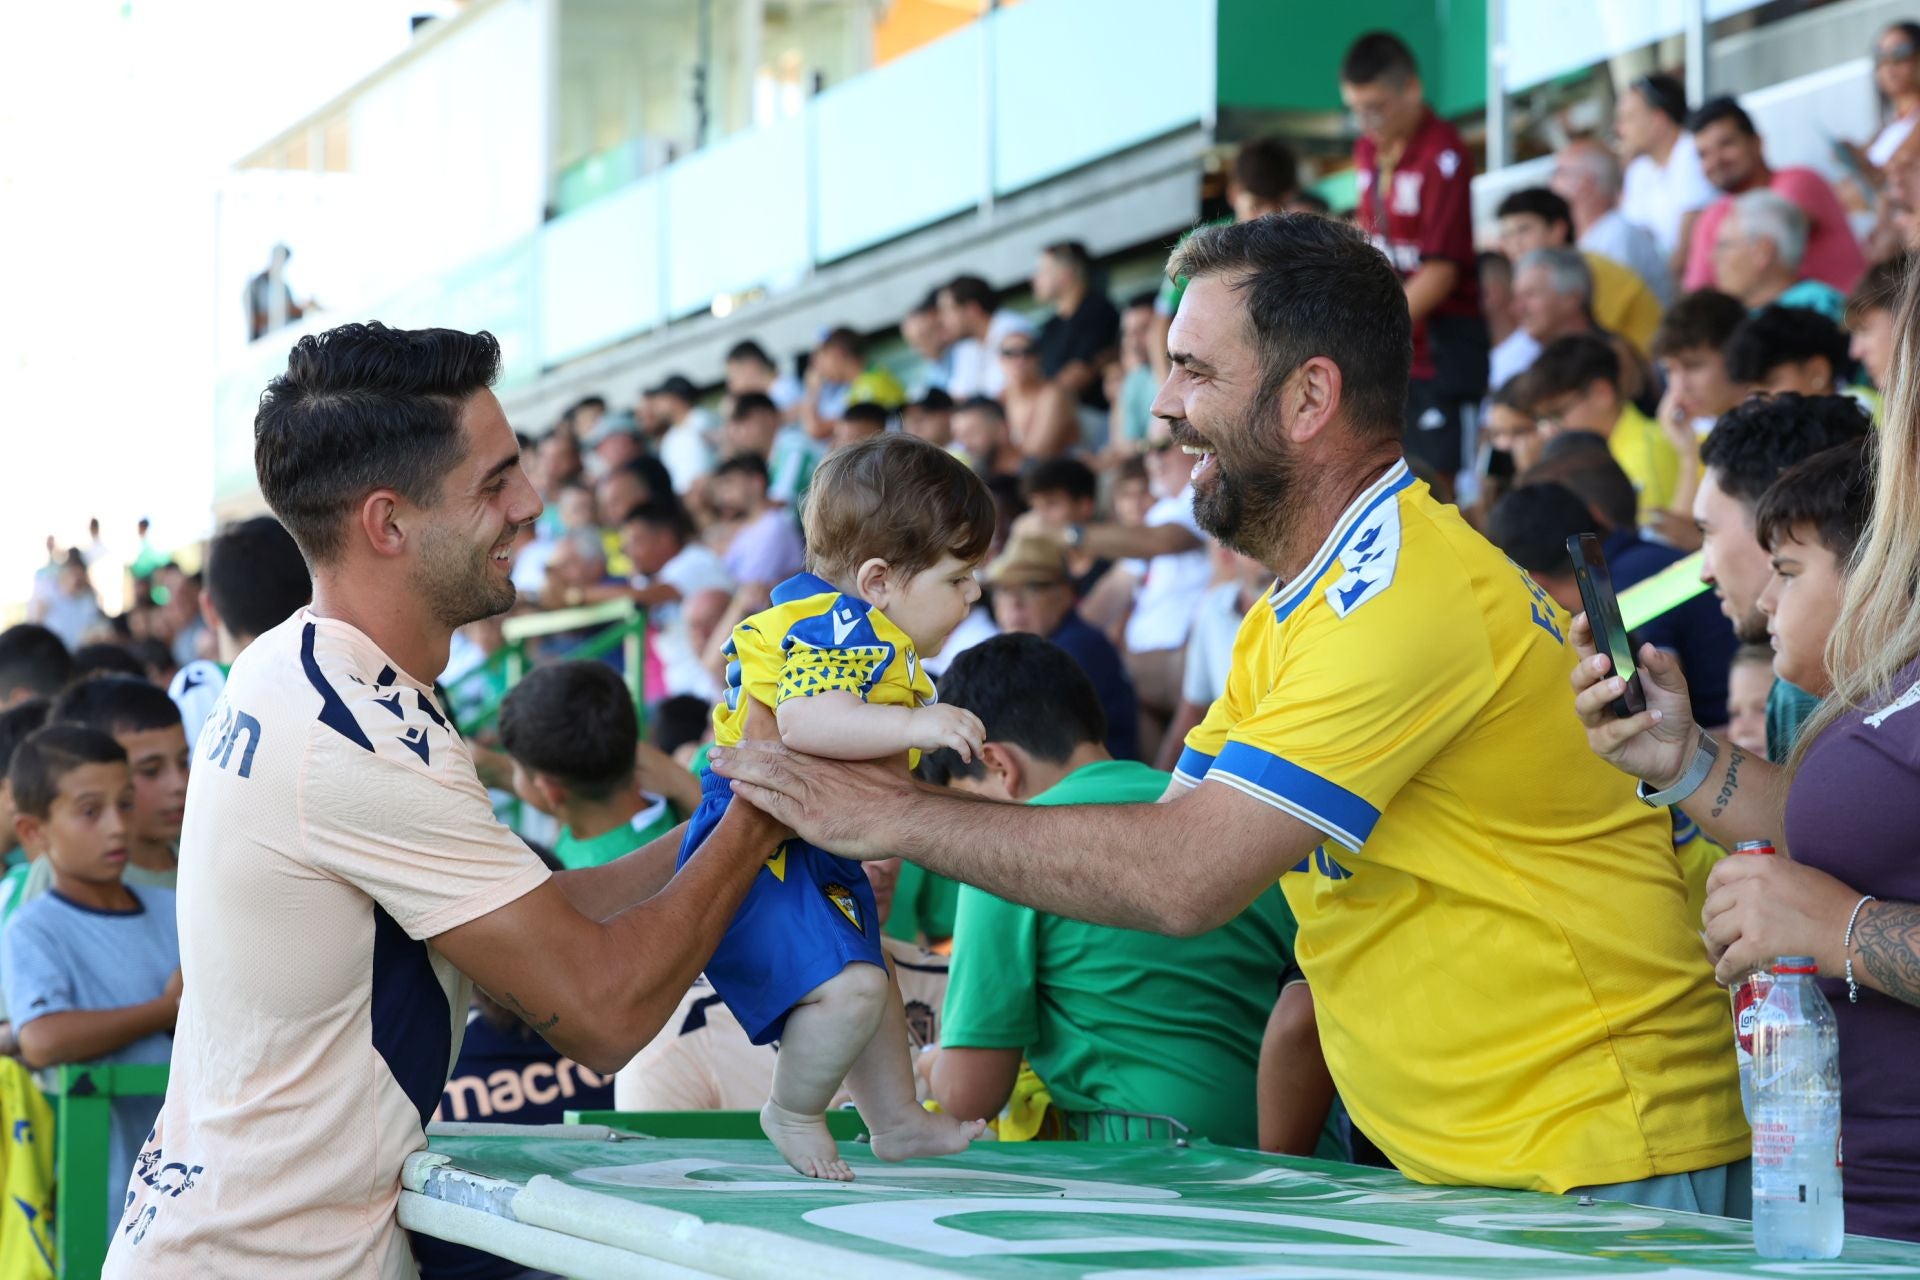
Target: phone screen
x=1603 y=617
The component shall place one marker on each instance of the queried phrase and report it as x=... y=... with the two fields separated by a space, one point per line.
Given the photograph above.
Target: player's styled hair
x=1028 y=693
x=573 y=721
x=50 y=754
x=896 y=498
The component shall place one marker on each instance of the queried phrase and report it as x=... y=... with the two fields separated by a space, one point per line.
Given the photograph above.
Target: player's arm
x=602 y=892
x=840 y=726
x=599 y=991
x=974 y=1084
x=1192 y=863
x=1295 y=1089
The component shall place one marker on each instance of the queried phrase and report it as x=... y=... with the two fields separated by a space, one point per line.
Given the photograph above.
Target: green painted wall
x=1284 y=55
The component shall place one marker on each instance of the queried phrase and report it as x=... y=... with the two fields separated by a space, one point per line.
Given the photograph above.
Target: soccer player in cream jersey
x=895 y=528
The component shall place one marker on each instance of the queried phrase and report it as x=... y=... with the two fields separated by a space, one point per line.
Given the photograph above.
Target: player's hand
x=944 y=725
x=1654 y=745
x=845 y=806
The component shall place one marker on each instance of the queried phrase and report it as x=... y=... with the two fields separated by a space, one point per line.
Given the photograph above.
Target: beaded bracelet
x=1846 y=948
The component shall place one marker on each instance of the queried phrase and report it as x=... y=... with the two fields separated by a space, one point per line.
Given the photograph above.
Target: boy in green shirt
x=571 y=731
x=1111 y=1019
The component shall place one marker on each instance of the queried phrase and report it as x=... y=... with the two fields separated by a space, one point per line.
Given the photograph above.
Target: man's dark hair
x=748 y=403
x=1062 y=475
x=1378 y=55
x=866 y=414
x=34 y=659
x=1540 y=203
x=972 y=291
x=15 y=724
x=117 y=704
x=982 y=404
x=1664 y=94
x=847 y=340
x=573 y=721
x=51 y=753
x=1775 y=335
x=106 y=659
x=587 y=402
x=256 y=576
x=744 y=464
x=1029 y=693
x=1532 y=525
x=1704 y=318
x=1266 y=169
x=1832 y=491
x=652 y=475
x=748 y=349
x=674 y=722
x=1315 y=287
x=662 y=514
x=1714 y=110
x=364 y=407
x=1591 y=473
x=1145 y=298
x=1754 y=442
x=1571 y=364
x=1879 y=289
x=1072 y=255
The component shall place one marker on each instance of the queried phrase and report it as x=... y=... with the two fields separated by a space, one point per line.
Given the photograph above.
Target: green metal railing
x=82 y=1098
x=625 y=626
x=844 y=1125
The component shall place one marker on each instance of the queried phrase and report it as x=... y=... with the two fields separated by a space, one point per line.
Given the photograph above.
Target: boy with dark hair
x=861 y=421
x=1746 y=453
x=1749 y=680
x=146 y=724
x=34 y=663
x=1788 y=349
x=1690 y=347
x=1810 y=520
x=1064 y=491
x=1538 y=218
x=895 y=529
x=1870 y=312
x=256 y=580
x=1575 y=386
x=1111 y=1019
x=571 y=731
x=92 y=968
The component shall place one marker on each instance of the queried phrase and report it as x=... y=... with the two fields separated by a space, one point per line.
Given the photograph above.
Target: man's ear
x=1820 y=370
x=553 y=793
x=1312 y=393
x=378 y=521
x=1006 y=768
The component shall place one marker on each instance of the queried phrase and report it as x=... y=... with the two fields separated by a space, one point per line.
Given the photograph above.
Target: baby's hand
x=931 y=728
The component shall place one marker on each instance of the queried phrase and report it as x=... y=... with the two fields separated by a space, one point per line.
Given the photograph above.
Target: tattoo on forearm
x=1888 y=935
x=512 y=1002
x=1735 y=758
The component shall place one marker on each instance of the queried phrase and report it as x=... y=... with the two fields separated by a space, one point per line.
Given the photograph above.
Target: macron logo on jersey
x=844 y=621
x=1369 y=560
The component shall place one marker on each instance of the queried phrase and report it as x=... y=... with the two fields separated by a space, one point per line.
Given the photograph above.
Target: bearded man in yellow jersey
x=1509 y=990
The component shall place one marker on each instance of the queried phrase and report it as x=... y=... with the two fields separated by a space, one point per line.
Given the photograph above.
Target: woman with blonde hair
x=1846 y=806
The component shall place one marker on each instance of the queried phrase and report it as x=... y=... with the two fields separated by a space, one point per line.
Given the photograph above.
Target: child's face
x=1747 y=687
x=1802 y=601
x=1131 y=500
x=931 y=603
x=85 y=832
x=158 y=759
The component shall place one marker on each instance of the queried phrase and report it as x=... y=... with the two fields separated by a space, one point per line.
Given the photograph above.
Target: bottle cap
x=1754 y=846
x=1795 y=964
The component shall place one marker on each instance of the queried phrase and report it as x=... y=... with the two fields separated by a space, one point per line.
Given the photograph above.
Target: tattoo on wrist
x=1888 y=936
x=1735 y=758
x=512 y=1002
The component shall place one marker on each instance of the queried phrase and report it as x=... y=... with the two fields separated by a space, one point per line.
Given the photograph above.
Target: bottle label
x=1747 y=999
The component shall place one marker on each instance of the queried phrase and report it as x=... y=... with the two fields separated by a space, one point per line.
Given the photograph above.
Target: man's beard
x=458 y=583
x=1248 y=508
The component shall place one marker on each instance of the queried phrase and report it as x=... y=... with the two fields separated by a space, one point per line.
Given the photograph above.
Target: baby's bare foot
x=926 y=1133
x=805 y=1143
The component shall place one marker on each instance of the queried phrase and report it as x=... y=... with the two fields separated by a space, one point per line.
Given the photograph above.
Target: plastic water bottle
x=1747 y=995
x=1797 y=1209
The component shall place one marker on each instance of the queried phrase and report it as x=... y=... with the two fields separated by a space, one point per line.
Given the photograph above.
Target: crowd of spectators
x=1672 y=346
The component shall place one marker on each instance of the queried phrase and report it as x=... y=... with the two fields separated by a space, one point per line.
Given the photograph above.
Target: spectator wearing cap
x=1538 y=218
x=1033 y=594
x=1781 y=348
x=1587 y=176
x=750 y=368
x=978 y=324
x=1734 y=157
x=1664 y=188
x=927 y=337
x=686 y=432
x=930 y=417
x=982 y=434
x=1759 y=253
x=839 y=375
x=1414 y=175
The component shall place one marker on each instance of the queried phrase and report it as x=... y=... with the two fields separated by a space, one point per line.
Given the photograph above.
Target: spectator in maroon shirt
x=1414 y=175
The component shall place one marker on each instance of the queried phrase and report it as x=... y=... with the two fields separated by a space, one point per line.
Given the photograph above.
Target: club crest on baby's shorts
x=842 y=897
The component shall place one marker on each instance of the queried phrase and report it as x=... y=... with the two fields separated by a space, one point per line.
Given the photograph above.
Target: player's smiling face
x=929 y=604
x=466 y=545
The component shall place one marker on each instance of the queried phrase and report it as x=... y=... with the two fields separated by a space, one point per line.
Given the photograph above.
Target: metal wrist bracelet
x=1689 y=782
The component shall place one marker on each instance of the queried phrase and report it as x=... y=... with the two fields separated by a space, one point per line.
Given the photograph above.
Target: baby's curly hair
x=896 y=498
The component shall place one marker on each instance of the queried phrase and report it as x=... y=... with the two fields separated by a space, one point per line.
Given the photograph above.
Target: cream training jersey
x=334 y=827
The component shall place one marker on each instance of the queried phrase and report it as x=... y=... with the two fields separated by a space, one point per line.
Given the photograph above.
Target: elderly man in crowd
x=1587 y=176
x=1759 y=256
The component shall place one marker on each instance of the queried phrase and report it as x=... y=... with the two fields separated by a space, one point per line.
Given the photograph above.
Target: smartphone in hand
x=1603 y=618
